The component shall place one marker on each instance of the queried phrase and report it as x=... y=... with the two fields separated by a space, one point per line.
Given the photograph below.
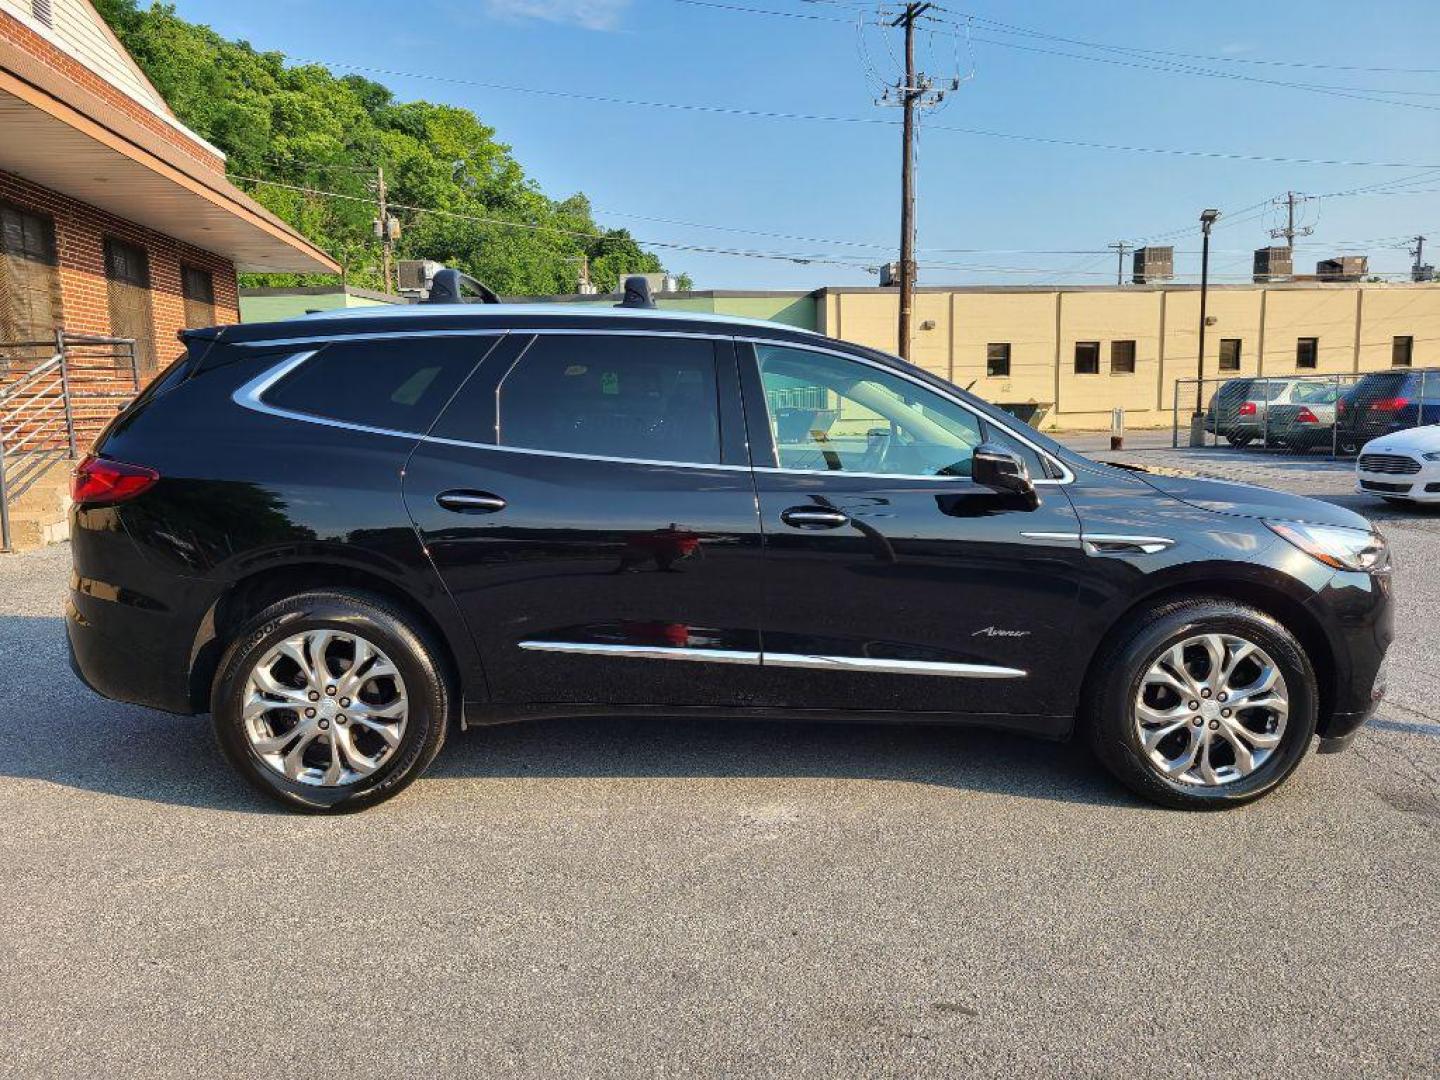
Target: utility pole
x=1419 y=271
x=383 y=225
x=910 y=93
x=1120 y=247
x=1289 y=232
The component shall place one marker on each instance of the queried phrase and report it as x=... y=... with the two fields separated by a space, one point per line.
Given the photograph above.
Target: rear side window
x=623 y=396
x=396 y=385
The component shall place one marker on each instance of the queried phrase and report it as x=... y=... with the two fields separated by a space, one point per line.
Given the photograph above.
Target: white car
x=1403 y=467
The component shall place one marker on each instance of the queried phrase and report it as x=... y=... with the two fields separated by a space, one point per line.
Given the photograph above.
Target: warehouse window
x=1122 y=358
x=199 y=289
x=997 y=359
x=29 y=276
x=1230 y=354
x=1087 y=358
x=1307 y=352
x=1402 y=351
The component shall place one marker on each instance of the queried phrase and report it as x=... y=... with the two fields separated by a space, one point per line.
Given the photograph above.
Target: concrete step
x=29 y=532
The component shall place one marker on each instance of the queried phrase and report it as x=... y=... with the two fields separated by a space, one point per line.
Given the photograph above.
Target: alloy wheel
x=325 y=708
x=1211 y=710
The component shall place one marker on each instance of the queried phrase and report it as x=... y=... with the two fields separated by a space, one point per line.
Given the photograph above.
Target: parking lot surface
x=643 y=898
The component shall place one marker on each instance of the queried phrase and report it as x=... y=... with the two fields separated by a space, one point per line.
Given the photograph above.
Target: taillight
x=1247 y=408
x=1305 y=416
x=97 y=480
x=1390 y=404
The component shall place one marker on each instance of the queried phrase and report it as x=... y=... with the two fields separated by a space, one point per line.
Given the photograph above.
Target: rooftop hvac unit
x=1273 y=264
x=1154 y=264
x=1343 y=268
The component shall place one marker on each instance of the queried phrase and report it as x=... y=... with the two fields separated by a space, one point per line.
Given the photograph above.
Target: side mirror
x=1003 y=470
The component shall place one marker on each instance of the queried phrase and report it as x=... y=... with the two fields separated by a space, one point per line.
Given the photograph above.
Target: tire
x=1408 y=504
x=1111 y=719
x=357 y=760
x=1239 y=441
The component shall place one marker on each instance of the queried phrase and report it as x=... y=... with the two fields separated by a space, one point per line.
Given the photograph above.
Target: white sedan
x=1403 y=467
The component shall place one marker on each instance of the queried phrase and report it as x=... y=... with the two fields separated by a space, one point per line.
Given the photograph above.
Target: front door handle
x=812 y=517
x=470 y=502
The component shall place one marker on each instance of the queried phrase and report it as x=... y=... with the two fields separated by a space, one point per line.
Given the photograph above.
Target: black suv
x=1385 y=402
x=342 y=534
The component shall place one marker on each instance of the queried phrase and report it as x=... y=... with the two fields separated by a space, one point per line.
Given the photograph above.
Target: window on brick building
x=127 y=274
x=1087 y=358
x=1402 y=351
x=1230 y=354
x=199 y=289
x=1307 y=352
x=29 y=276
x=997 y=359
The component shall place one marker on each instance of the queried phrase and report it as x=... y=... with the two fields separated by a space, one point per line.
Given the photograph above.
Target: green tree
x=460 y=195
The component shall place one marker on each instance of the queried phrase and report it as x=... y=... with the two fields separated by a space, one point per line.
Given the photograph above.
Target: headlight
x=1344 y=549
x=1433 y=455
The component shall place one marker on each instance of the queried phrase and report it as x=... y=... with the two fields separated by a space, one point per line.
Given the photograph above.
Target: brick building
x=115 y=219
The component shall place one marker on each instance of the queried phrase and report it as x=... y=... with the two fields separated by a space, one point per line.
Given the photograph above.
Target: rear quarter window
x=397 y=385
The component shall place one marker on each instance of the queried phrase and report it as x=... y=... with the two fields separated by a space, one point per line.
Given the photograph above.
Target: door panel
x=587 y=576
x=901 y=592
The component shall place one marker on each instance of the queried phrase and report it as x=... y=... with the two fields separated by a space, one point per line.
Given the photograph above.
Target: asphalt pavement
x=647 y=898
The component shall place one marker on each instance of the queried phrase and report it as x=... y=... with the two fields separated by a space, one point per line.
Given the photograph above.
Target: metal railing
x=53 y=395
x=1301 y=413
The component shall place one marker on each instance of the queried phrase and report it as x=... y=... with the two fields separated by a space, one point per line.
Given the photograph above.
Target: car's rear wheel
x=1239 y=441
x=1202 y=703
x=331 y=701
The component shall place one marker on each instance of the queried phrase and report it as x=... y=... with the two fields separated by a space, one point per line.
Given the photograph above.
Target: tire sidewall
x=426 y=692
x=1117 y=722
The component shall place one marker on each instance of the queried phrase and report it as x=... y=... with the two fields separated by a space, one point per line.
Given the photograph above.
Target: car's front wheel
x=1202 y=703
x=331 y=701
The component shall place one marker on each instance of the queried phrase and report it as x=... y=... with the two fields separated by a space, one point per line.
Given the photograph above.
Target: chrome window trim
x=251 y=396
x=1067 y=475
x=860 y=664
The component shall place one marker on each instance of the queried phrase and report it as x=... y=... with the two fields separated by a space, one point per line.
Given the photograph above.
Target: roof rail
x=446 y=287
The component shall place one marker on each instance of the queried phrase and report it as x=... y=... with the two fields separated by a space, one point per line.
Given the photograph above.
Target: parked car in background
x=1306 y=419
x=1384 y=402
x=1239 y=411
x=1402 y=468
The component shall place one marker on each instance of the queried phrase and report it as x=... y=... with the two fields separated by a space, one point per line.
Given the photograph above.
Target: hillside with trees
x=305 y=128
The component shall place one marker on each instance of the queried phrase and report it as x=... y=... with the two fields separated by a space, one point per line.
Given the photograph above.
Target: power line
x=773 y=114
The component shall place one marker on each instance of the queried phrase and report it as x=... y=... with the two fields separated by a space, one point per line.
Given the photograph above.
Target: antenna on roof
x=637 y=293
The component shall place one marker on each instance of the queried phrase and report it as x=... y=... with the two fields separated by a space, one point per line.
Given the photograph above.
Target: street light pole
x=1197 y=418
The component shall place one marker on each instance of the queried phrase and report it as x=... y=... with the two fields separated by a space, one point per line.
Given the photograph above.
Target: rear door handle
x=470 y=502
x=811 y=517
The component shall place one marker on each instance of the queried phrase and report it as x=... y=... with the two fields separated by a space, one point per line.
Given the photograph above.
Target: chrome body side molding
x=786 y=660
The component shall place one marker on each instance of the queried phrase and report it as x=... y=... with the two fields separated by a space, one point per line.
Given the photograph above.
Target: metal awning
x=63 y=137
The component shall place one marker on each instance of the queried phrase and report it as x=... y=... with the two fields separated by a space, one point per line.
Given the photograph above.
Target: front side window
x=1087 y=358
x=1230 y=354
x=617 y=396
x=398 y=385
x=830 y=414
x=1122 y=358
x=1307 y=352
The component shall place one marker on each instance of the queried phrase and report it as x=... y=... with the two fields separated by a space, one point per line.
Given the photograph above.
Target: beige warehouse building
x=1085 y=350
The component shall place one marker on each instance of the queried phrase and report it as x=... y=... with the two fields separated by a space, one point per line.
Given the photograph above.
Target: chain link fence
x=1331 y=414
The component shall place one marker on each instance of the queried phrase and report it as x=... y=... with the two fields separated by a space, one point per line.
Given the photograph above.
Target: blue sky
x=988 y=207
